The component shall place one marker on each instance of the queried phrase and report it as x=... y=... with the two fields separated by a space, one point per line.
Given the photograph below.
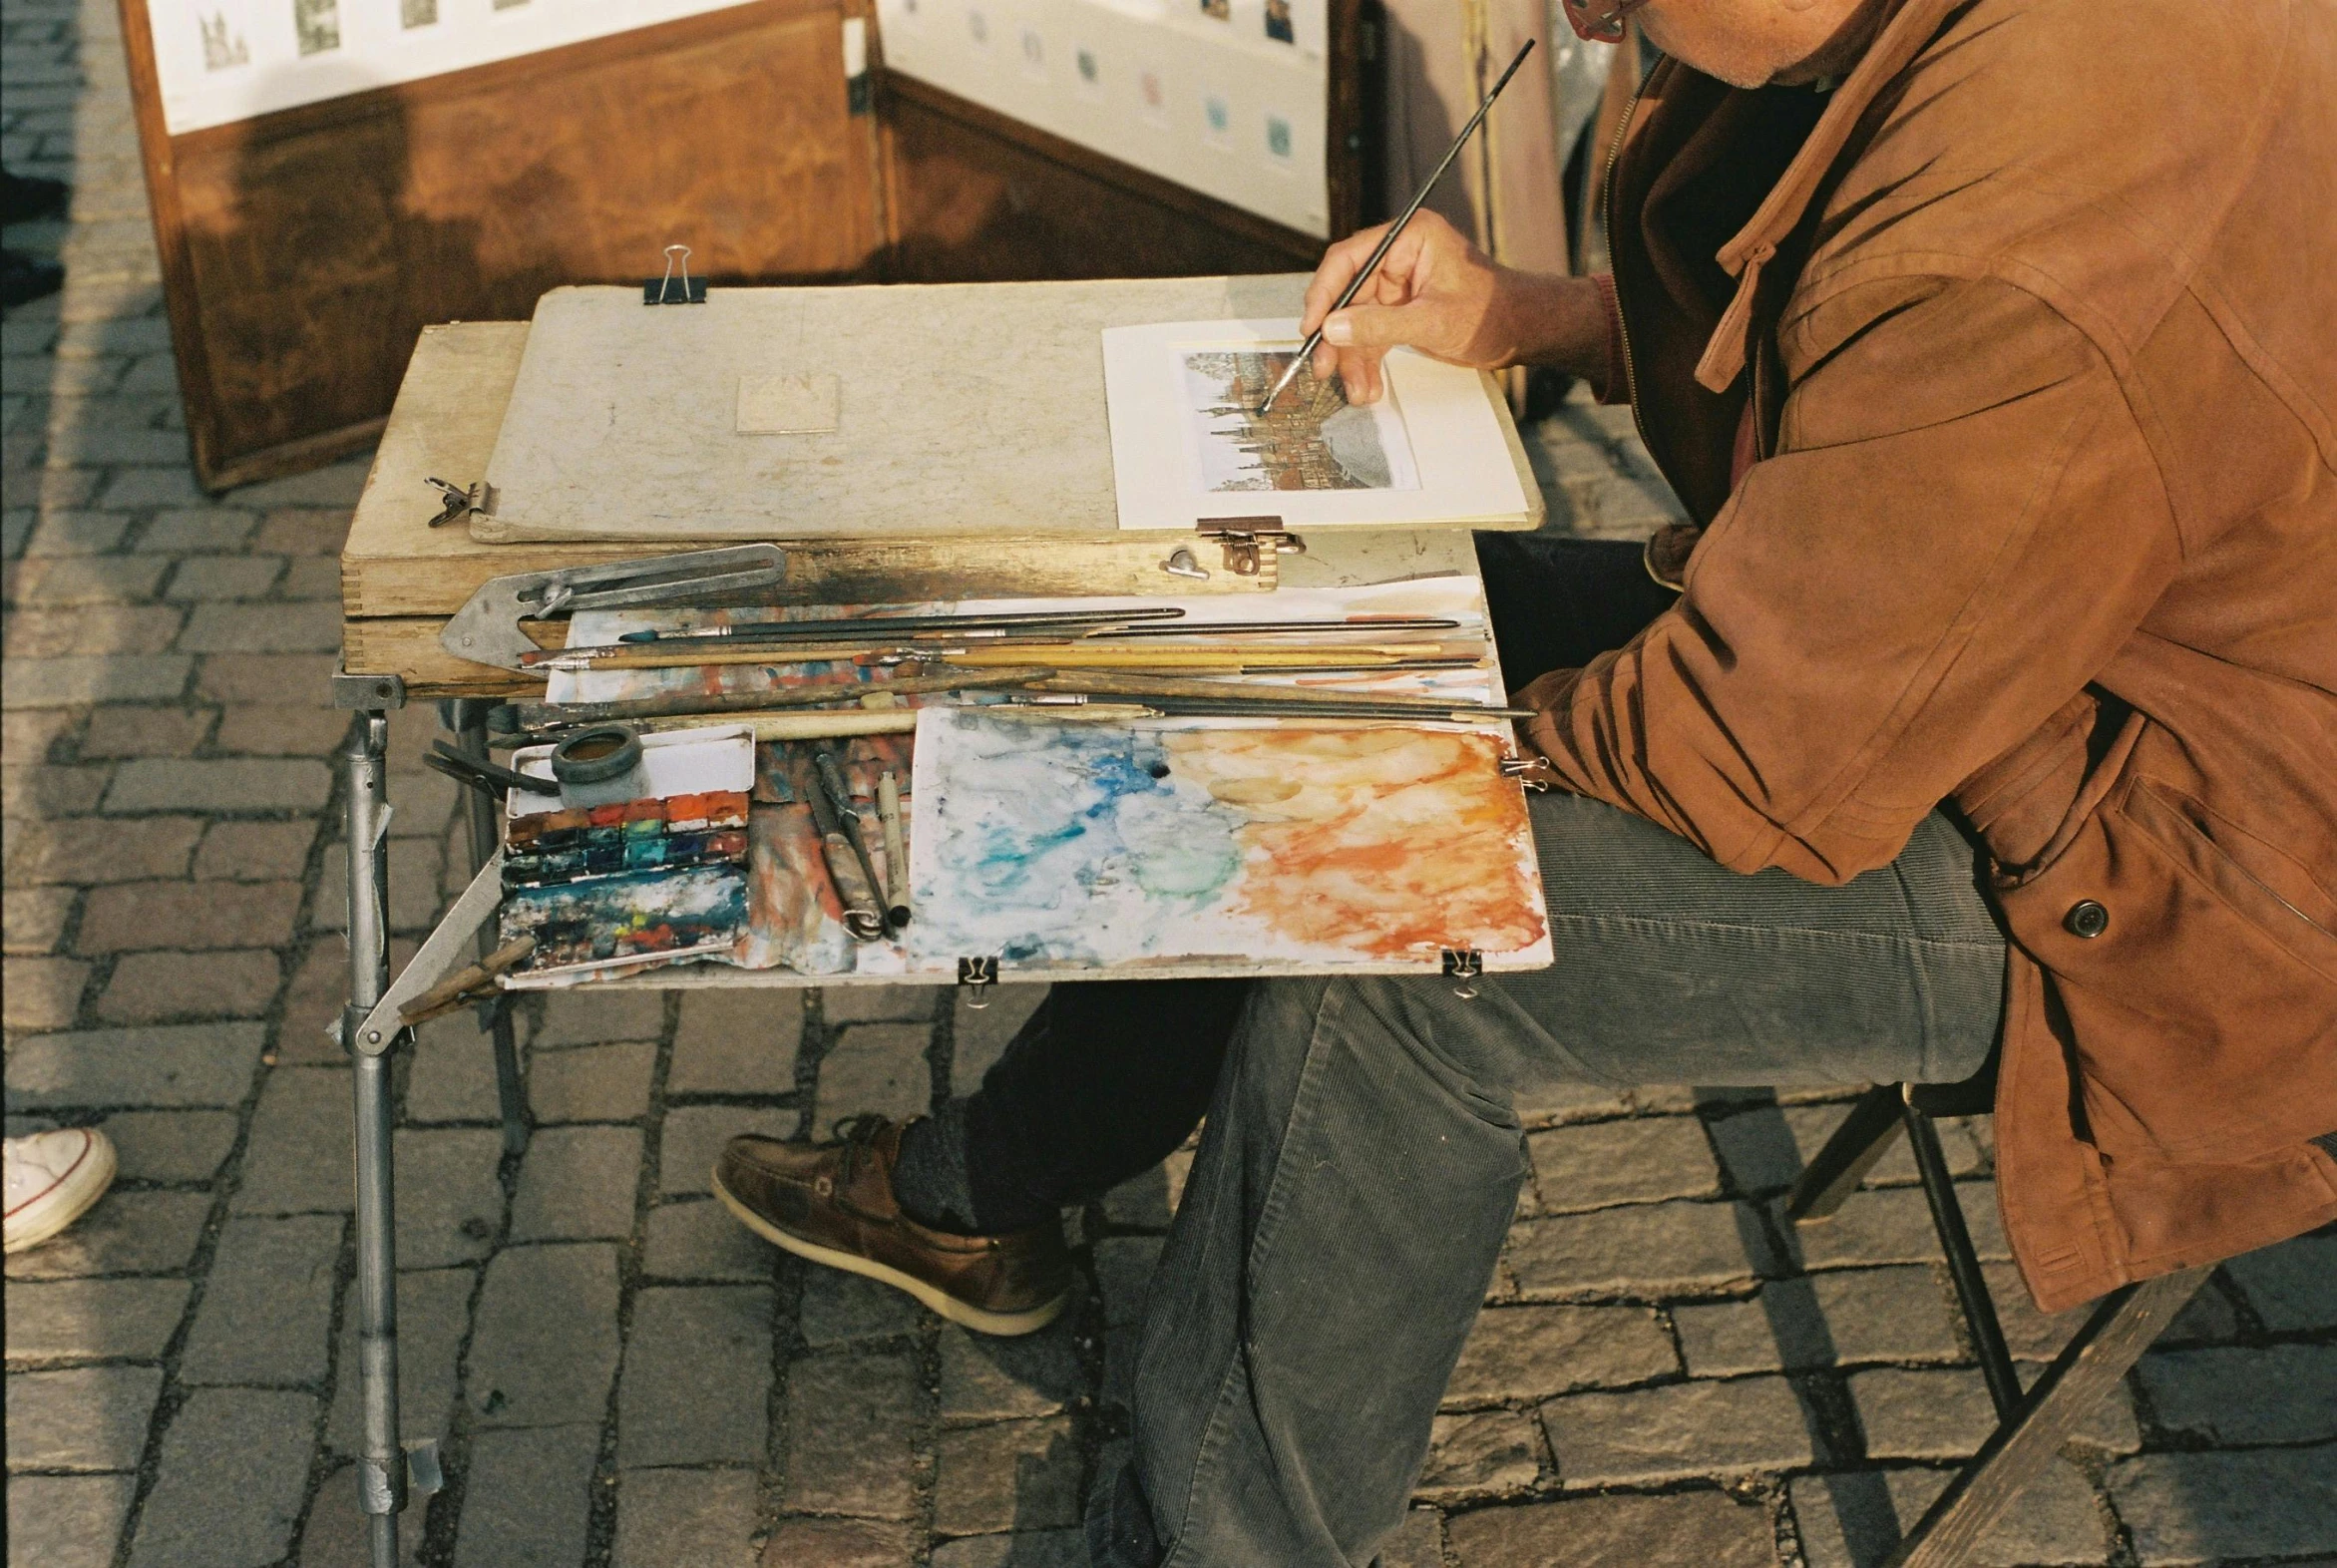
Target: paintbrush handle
x=678 y=704
x=861 y=917
x=1347 y=295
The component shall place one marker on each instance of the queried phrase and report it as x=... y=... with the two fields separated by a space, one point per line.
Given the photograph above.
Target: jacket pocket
x=2200 y=1003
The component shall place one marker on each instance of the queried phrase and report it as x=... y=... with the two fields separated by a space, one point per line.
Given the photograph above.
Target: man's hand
x=1441 y=294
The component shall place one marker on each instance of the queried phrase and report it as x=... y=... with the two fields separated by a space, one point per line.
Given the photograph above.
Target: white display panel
x=220 y=61
x=1209 y=94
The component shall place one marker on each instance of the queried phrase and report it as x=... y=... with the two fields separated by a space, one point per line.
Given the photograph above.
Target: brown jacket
x=2042 y=335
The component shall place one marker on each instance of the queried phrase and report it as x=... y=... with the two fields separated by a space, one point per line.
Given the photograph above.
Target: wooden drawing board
x=960 y=409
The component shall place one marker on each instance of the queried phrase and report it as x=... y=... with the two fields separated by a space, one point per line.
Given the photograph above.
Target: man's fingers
x=1376 y=330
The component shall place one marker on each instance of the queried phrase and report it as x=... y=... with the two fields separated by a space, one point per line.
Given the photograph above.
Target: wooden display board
x=304 y=247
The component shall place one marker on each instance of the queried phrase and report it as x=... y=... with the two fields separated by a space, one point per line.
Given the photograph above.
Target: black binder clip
x=979 y=977
x=1465 y=967
x=672 y=290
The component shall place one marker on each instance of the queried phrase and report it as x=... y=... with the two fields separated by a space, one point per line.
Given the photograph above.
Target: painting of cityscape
x=1311 y=439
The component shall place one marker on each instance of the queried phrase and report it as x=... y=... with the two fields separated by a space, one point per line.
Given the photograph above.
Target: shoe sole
x=73 y=1197
x=1004 y=1324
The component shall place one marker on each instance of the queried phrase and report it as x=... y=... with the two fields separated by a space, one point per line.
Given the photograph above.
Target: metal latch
x=485 y=631
x=461 y=501
x=1244 y=539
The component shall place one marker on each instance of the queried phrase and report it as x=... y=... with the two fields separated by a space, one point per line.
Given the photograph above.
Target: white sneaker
x=53 y=1178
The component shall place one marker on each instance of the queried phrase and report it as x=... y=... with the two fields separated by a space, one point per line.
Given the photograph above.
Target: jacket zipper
x=1607 y=201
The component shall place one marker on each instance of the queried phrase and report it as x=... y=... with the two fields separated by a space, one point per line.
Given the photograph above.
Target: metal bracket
x=977 y=976
x=1466 y=966
x=485 y=631
x=1244 y=539
x=440 y=952
x=460 y=502
x=367 y=692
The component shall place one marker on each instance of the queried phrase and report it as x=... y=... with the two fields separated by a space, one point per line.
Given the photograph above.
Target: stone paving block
x=1893 y=1225
x=697 y=1377
x=267 y=1304
x=701 y=1240
x=2185 y=1508
x=312 y=576
x=267 y=729
x=36 y=918
x=127 y=1233
x=736 y=1042
x=1014 y=1475
x=981 y=1035
x=2279 y=1393
x=413 y=887
x=592 y=1083
x=74 y=680
x=849 y=1421
x=123 y=731
x=338 y=1535
x=1123 y=1271
x=93 y=1319
x=1853 y=1520
x=434 y=1310
x=573 y=1018
x=185 y=1065
x=77 y=532
x=298 y=1158
x=157 y=987
x=234 y=1467
x=99 y=629
x=544 y=1349
x=41 y=994
x=255 y=851
x=1533 y=1352
x=2208 y=1317
x=67 y=1521
x=985 y=1377
x=130 y=916
x=450 y=1203
x=1646 y=1249
x=268 y=677
x=578 y=1184
x=223 y=784
x=86 y=850
x=1148 y=1201
x=82 y=1418
x=136 y=489
x=1489 y=1452
x=1419 y=1542
x=49 y=790
x=880 y=1003
x=1708 y=1529
x=1643 y=1160
x=223 y=577
x=528 y=1500
x=847 y=1309
x=839 y=1543
x=1033 y=1549
x=175 y=1146
x=1679 y=1430
x=2293 y=1284
x=694 y=1137
x=192 y=530
x=1922 y=1414
x=685 y=1519
x=1547 y=1104
x=878 y=1068
x=452 y=1076
x=1825 y=1320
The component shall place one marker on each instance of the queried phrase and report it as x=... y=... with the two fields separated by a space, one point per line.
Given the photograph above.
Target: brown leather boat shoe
x=833 y=1203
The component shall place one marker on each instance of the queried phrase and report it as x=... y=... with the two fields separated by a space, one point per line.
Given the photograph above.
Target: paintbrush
x=678 y=704
x=1216 y=707
x=830 y=773
x=1347 y=295
x=895 y=847
x=1366 y=655
x=1264 y=629
x=1109 y=683
x=1004 y=619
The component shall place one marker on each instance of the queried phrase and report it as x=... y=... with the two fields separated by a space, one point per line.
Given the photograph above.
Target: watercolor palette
x=1077 y=845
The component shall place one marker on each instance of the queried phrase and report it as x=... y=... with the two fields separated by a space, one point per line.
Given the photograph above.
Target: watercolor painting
x=1217 y=116
x=224 y=45
x=1090 y=70
x=317 y=24
x=1218 y=10
x=417 y=13
x=1154 y=96
x=1093 y=843
x=1033 y=54
x=1311 y=439
x=977 y=26
x=1279 y=25
x=1278 y=138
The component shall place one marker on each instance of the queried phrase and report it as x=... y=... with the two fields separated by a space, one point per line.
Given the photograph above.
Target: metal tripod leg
x=467 y=717
x=381 y=1469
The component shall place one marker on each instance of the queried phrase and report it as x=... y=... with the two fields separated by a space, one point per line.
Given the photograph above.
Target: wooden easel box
x=401 y=578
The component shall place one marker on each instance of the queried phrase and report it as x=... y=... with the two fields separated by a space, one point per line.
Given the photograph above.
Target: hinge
x=1246 y=540
x=367 y=692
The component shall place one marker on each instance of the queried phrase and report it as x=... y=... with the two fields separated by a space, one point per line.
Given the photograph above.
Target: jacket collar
x=1905 y=32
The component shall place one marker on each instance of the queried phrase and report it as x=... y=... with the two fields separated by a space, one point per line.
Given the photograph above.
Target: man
x=1991 y=349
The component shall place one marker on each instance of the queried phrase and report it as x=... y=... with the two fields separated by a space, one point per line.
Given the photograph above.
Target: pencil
x=896 y=846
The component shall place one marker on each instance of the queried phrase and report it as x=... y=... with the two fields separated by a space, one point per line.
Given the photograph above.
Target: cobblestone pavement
x=1662 y=1374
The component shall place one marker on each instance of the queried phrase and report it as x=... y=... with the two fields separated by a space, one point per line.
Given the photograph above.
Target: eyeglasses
x=1600 y=22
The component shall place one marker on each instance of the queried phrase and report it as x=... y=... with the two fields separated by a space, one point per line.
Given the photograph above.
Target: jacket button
x=2086 y=919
